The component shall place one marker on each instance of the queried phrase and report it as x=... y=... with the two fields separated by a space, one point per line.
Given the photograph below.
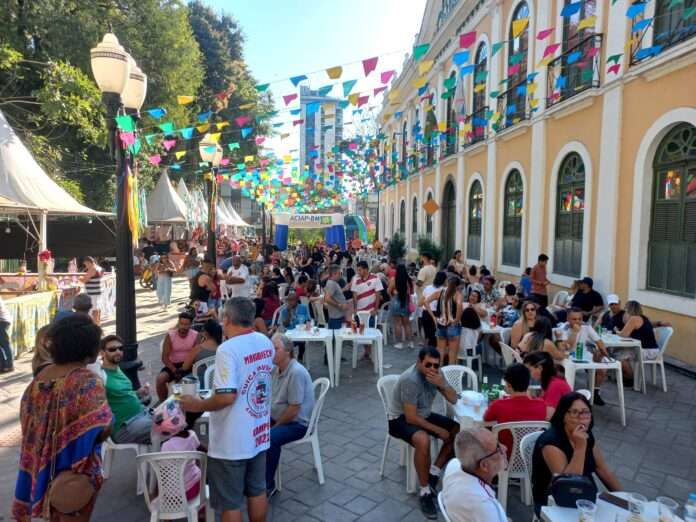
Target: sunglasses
x=432 y=365
x=113 y=349
x=530 y=309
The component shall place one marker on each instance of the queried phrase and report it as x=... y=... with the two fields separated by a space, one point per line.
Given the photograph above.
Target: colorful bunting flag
x=550 y=49
x=325 y=90
x=419 y=51
x=544 y=33
x=467 y=69
x=348 y=86
x=377 y=90
x=614 y=68
x=259 y=140
x=247 y=106
x=246 y=131
x=180 y=154
x=155 y=160
x=203 y=128
x=460 y=57
x=248 y=159
x=497 y=46
x=150 y=138
x=450 y=83
x=425 y=66
x=127 y=138
x=312 y=108
x=334 y=72
x=297 y=122
x=587 y=23
x=168 y=144
x=385 y=76
x=362 y=100
x=614 y=58
x=262 y=87
x=204 y=116
x=157 y=112
x=184 y=100
x=289 y=98
x=233 y=146
x=369 y=65
x=353 y=98
x=571 y=9
x=466 y=40
x=125 y=123
x=297 y=79
x=215 y=137
x=518 y=26
x=635 y=10
x=167 y=127
x=688 y=13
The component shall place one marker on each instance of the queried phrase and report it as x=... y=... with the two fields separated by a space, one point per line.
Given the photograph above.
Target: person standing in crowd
x=447 y=317
x=238 y=278
x=400 y=290
x=429 y=307
x=467 y=485
x=426 y=275
x=64 y=417
x=413 y=421
x=203 y=284
x=165 y=271
x=334 y=299
x=6 y=356
x=191 y=265
x=540 y=281
x=240 y=418
x=366 y=290
x=92 y=281
x=587 y=299
x=132 y=421
x=177 y=346
x=291 y=405
x=526 y=283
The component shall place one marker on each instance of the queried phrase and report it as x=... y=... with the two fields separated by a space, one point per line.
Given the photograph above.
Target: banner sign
x=308 y=220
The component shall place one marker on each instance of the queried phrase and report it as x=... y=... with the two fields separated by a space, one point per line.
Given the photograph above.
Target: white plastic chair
x=560 y=298
x=319 y=314
x=205 y=363
x=209 y=377
x=276 y=316
x=468 y=353
x=502 y=284
x=526 y=452
x=171 y=502
x=312 y=435
x=224 y=291
x=510 y=355
x=585 y=393
x=382 y=321
x=282 y=291
x=109 y=447
x=385 y=388
x=516 y=467
x=454 y=375
x=364 y=317
x=662 y=335
x=443 y=508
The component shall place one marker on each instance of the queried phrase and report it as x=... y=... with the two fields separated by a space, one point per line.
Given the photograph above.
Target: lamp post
x=211 y=152
x=124 y=87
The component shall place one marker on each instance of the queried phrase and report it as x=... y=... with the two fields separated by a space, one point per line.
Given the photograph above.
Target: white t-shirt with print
x=239 y=289
x=243 y=365
x=585 y=334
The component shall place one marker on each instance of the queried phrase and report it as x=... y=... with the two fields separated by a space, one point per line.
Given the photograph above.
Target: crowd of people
x=263 y=395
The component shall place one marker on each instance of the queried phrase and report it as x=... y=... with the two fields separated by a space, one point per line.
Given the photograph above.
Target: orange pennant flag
x=335 y=72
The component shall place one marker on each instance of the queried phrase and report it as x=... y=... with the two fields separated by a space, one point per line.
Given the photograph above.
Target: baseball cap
x=588 y=281
x=613 y=299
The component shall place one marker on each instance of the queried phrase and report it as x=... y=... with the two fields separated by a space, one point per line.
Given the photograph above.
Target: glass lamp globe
x=136 y=87
x=110 y=65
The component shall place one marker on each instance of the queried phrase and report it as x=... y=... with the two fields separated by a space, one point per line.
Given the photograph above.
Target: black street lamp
x=211 y=152
x=124 y=87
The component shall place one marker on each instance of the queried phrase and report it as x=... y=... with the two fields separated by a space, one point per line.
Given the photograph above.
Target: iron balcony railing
x=574 y=71
x=479 y=127
x=512 y=106
x=668 y=29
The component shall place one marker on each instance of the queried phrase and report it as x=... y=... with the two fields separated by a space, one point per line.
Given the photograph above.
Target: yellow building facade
x=571 y=134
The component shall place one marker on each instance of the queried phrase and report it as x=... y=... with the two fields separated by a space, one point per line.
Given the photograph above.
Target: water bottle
x=484 y=388
x=690 y=509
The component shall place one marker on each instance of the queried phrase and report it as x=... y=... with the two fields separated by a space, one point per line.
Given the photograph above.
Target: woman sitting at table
x=471 y=331
x=474 y=301
x=271 y=302
x=568 y=447
x=524 y=324
x=540 y=339
x=553 y=386
x=638 y=326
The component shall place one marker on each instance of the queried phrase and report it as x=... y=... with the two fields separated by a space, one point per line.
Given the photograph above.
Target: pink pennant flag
x=127 y=138
x=592 y=52
x=225 y=162
x=466 y=40
x=155 y=160
x=385 y=76
x=362 y=100
x=288 y=98
x=297 y=122
x=513 y=69
x=243 y=119
x=353 y=146
x=263 y=162
x=260 y=140
x=551 y=49
x=370 y=65
x=168 y=144
x=379 y=89
x=544 y=33
x=614 y=68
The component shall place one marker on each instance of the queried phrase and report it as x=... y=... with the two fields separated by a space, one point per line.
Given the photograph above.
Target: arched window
x=414 y=223
x=518 y=47
x=512 y=219
x=449 y=220
x=392 y=223
x=473 y=240
x=570 y=210
x=478 y=108
x=672 y=243
x=404 y=143
x=429 y=220
x=451 y=145
x=402 y=219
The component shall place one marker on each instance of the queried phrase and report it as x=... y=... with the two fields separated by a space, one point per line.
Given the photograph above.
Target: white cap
x=613 y=299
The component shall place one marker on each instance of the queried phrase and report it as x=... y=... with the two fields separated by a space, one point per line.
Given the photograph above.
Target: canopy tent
x=164 y=204
x=24 y=182
x=7 y=205
x=235 y=215
x=334 y=233
x=181 y=189
x=223 y=217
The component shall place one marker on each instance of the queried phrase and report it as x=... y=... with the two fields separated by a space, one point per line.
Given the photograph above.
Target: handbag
x=566 y=489
x=411 y=307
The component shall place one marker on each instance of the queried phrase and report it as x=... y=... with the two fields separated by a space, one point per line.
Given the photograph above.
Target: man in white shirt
x=466 y=488
x=240 y=419
x=238 y=278
x=366 y=288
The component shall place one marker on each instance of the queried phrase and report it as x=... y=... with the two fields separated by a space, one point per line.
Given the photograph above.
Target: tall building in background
x=321 y=130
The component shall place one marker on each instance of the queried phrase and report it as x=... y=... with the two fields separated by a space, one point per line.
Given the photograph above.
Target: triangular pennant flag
x=450 y=83
x=233 y=146
x=204 y=116
x=203 y=128
x=370 y=65
x=155 y=160
x=377 y=90
x=466 y=40
x=297 y=79
x=392 y=95
x=167 y=127
x=497 y=46
x=180 y=154
x=312 y=108
x=259 y=140
x=639 y=26
x=348 y=86
x=571 y=9
x=385 y=76
x=353 y=98
x=127 y=138
x=168 y=144
x=246 y=131
x=635 y=10
x=125 y=123
x=184 y=100
x=518 y=26
x=419 y=82
x=297 y=122
x=289 y=98
x=135 y=147
x=425 y=66
x=222 y=124
x=614 y=68
x=587 y=23
x=362 y=100
x=419 y=51
x=614 y=58
x=242 y=120
x=150 y=138
x=157 y=112
x=262 y=87
x=323 y=91
x=215 y=137
x=544 y=33
x=550 y=49
x=467 y=69
x=334 y=72
x=460 y=57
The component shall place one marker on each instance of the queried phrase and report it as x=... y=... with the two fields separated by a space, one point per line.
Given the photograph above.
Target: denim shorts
x=448 y=332
x=398 y=309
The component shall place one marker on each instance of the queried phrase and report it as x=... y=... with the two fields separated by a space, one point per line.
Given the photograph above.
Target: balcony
x=479 y=127
x=574 y=71
x=512 y=106
x=668 y=29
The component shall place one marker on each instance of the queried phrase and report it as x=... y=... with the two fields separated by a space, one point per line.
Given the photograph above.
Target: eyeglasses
x=580 y=413
x=432 y=365
x=530 y=309
x=112 y=349
x=499 y=448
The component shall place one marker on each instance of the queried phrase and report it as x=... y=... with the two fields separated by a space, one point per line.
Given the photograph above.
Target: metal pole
x=263 y=227
x=125 y=277
x=212 y=209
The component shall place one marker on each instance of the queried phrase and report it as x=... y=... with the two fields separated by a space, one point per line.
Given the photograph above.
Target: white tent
x=24 y=182
x=237 y=218
x=223 y=217
x=182 y=190
x=164 y=205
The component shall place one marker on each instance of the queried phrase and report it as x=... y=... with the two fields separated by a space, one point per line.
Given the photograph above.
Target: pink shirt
x=181 y=346
x=192 y=475
x=557 y=388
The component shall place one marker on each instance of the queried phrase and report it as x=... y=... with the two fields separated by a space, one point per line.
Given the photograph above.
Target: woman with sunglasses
x=568 y=446
x=524 y=324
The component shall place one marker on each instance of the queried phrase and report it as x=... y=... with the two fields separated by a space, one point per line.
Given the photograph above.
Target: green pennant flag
x=688 y=13
x=348 y=86
x=343 y=104
x=262 y=87
x=504 y=81
x=135 y=148
x=489 y=114
x=673 y=3
x=516 y=58
x=167 y=127
x=480 y=76
x=450 y=83
x=497 y=46
x=125 y=123
x=149 y=138
x=587 y=75
x=494 y=94
x=419 y=51
x=614 y=58
x=446 y=95
x=233 y=146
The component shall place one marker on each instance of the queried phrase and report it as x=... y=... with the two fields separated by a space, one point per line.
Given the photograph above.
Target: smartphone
x=614 y=500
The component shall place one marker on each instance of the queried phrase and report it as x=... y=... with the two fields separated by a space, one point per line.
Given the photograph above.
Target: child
x=202 y=314
x=526 y=282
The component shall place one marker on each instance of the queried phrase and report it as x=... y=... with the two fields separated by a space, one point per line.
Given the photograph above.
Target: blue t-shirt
x=526 y=285
x=301 y=316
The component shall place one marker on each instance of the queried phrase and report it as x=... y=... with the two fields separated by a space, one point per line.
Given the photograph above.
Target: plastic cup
x=666 y=509
x=176 y=390
x=636 y=505
x=586 y=510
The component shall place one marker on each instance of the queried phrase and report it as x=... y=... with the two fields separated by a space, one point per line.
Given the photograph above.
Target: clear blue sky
x=287 y=38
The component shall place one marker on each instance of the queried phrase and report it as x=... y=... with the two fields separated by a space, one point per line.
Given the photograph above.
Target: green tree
x=396 y=247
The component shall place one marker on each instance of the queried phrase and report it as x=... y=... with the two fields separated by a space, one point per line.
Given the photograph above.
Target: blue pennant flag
x=297 y=79
x=467 y=69
x=186 y=133
x=204 y=116
x=157 y=112
x=246 y=131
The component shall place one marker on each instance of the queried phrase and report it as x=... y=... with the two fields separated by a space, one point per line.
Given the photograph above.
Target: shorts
x=448 y=332
x=624 y=353
x=398 y=309
x=401 y=429
x=232 y=480
x=170 y=373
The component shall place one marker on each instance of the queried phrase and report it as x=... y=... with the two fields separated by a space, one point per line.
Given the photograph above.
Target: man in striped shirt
x=366 y=288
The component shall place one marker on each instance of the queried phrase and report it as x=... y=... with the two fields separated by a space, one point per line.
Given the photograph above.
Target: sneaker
x=399 y=346
x=427 y=505
x=598 y=399
x=432 y=482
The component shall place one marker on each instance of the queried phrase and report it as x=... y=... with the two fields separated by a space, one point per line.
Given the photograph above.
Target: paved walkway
x=655 y=454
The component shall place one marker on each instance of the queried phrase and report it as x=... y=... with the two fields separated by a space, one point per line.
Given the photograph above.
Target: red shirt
x=514 y=409
x=537 y=276
x=557 y=388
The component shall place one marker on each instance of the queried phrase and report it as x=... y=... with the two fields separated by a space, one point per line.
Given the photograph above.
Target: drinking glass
x=176 y=390
x=636 y=505
x=666 y=508
x=586 y=509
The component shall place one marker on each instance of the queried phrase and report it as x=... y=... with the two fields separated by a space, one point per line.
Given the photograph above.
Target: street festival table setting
x=606 y=511
x=308 y=333
x=371 y=336
x=611 y=340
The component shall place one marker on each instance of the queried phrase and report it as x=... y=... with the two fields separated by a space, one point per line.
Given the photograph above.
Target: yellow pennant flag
x=334 y=72
x=518 y=26
x=222 y=125
x=531 y=88
x=442 y=126
x=496 y=116
x=215 y=137
x=533 y=102
x=393 y=94
x=353 y=98
x=248 y=159
x=468 y=127
x=425 y=66
x=180 y=154
x=184 y=100
x=203 y=128
x=284 y=136
x=545 y=61
x=586 y=23
x=419 y=82
x=480 y=87
x=287 y=158
x=247 y=106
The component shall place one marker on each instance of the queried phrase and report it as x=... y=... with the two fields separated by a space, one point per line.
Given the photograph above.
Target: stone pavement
x=654 y=455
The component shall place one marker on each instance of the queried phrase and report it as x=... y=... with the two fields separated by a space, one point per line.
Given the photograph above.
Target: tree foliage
x=396 y=248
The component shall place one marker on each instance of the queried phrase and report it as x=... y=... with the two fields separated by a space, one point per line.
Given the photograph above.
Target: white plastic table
x=370 y=336
x=605 y=511
x=611 y=340
x=317 y=335
x=572 y=366
x=487 y=329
